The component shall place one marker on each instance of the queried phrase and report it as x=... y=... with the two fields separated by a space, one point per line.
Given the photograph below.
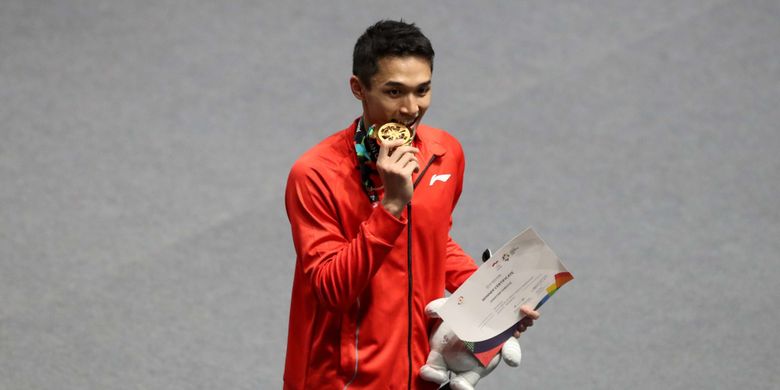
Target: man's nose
x=410 y=106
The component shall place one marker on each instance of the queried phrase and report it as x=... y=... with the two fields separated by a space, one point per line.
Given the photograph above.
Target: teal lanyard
x=367 y=150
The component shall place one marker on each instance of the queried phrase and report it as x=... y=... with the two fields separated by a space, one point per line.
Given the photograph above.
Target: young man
x=370 y=225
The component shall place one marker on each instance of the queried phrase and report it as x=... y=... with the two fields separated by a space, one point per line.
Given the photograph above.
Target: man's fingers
x=521 y=327
x=399 y=160
x=529 y=312
x=388 y=148
x=411 y=166
x=403 y=151
x=406 y=159
x=529 y=315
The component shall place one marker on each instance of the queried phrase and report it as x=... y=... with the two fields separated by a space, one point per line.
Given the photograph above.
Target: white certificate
x=485 y=310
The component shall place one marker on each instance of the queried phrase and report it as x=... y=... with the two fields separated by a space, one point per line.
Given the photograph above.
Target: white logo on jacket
x=442 y=178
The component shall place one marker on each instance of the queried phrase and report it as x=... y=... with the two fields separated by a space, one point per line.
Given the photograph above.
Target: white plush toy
x=449 y=353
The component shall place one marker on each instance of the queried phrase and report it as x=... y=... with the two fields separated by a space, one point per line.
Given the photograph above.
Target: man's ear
x=358 y=90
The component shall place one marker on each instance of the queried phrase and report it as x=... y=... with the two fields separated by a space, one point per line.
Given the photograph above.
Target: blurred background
x=145 y=145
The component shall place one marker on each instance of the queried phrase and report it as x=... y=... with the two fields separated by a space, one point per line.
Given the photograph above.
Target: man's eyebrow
x=399 y=84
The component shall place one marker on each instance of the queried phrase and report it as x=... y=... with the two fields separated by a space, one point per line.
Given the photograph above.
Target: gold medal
x=392 y=131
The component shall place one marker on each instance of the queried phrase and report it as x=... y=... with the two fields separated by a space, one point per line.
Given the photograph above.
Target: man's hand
x=528 y=320
x=395 y=164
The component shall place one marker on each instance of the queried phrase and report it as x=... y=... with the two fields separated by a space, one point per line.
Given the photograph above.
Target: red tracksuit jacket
x=352 y=305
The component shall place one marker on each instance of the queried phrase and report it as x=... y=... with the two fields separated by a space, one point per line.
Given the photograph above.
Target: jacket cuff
x=385 y=227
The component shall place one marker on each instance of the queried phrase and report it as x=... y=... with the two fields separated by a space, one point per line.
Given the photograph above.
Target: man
x=370 y=225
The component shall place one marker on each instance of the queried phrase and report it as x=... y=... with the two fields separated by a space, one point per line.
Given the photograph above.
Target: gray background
x=145 y=146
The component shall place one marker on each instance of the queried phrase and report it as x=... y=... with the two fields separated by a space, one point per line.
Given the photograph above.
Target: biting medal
x=392 y=131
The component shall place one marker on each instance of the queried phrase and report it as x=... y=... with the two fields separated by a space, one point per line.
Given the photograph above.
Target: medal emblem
x=392 y=131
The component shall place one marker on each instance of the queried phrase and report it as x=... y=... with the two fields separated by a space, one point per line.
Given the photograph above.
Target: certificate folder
x=485 y=311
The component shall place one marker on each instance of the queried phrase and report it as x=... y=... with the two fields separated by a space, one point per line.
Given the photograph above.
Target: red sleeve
x=459 y=264
x=337 y=269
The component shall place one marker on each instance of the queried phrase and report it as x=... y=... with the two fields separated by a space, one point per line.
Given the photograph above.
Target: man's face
x=400 y=91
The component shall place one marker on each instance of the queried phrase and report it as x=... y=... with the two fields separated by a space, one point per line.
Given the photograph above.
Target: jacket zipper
x=410 y=279
x=357 y=333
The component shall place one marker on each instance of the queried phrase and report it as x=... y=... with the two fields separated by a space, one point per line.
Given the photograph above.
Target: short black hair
x=384 y=39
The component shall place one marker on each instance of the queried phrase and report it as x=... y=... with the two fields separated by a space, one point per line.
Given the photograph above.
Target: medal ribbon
x=367 y=151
